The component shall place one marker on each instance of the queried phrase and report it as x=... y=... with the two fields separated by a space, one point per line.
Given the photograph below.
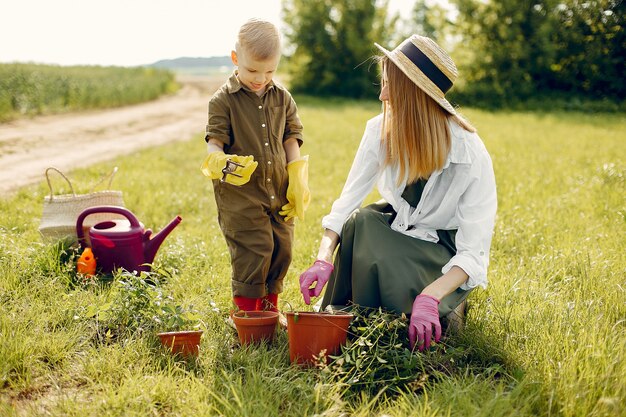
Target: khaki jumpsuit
x=259 y=239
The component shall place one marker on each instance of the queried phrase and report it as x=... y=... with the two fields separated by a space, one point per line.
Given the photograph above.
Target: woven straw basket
x=58 y=218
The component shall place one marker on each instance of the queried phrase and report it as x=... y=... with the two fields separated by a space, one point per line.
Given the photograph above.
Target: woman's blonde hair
x=415 y=127
x=259 y=38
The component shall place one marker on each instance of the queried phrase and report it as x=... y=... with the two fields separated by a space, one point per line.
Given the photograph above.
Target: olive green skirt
x=376 y=266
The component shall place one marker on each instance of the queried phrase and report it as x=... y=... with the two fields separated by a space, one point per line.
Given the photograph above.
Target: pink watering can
x=122 y=243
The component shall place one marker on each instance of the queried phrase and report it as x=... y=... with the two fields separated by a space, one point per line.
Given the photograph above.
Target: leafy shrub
x=137 y=305
x=376 y=357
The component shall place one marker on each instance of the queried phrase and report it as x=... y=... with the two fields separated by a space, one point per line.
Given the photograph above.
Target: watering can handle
x=134 y=222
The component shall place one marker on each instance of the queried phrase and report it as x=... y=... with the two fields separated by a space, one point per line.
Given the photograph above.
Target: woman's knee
x=365 y=215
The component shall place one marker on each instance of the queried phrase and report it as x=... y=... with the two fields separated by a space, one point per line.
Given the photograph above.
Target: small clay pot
x=255 y=326
x=311 y=333
x=184 y=342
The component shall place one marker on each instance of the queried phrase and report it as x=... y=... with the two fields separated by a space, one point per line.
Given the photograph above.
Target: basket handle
x=50 y=184
x=109 y=176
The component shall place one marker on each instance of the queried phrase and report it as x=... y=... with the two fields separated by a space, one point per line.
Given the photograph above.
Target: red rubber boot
x=246 y=303
x=269 y=302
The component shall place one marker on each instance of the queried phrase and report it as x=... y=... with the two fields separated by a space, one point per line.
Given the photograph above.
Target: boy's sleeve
x=218 y=126
x=293 y=125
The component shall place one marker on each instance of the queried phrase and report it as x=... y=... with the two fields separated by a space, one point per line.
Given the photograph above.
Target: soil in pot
x=310 y=333
x=255 y=326
x=184 y=342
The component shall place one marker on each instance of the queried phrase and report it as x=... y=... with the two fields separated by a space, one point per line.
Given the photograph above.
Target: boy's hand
x=215 y=163
x=298 y=194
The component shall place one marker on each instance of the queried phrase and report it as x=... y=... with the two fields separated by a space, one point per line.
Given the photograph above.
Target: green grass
x=547 y=338
x=32 y=89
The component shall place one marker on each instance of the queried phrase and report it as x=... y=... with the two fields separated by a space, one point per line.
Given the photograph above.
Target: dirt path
x=29 y=146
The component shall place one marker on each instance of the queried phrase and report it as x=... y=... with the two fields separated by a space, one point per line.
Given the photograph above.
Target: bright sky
x=129 y=32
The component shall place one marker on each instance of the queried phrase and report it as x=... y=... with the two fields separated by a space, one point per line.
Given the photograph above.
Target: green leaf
x=91 y=311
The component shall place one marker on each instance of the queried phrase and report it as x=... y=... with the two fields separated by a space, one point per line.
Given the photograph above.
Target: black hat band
x=429 y=69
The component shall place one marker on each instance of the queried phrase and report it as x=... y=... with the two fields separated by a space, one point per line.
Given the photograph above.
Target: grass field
x=547 y=338
x=33 y=89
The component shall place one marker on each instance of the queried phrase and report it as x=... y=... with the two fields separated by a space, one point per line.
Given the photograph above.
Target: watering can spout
x=151 y=246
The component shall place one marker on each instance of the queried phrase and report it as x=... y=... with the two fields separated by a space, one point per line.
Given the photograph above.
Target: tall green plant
x=429 y=20
x=332 y=43
x=589 y=48
x=31 y=89
x=514 y=50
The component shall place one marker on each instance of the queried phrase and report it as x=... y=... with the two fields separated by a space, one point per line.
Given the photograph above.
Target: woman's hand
x=319 y=274
x=424 y=316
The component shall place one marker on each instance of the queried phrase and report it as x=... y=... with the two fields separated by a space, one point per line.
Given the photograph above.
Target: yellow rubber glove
x=298 y=194
x=216 y=161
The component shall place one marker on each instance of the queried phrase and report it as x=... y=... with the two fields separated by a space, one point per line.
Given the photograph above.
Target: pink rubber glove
x=424 y=316
x=319 y=274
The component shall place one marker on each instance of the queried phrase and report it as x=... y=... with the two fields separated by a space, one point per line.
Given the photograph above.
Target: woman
x=423 y=248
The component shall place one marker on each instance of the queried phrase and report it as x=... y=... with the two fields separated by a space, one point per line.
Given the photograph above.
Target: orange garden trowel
x=86 y=264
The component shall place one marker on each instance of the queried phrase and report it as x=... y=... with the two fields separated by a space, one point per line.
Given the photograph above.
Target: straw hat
x=427 y=65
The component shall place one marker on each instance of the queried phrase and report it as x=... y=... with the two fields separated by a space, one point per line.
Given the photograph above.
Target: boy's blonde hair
x=259 y=38
x=415 y=127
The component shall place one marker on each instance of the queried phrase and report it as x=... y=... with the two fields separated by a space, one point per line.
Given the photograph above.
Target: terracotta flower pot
x=255 y=326
x=310 y=333
x=185 y=342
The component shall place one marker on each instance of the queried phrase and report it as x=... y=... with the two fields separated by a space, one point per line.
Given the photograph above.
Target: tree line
x=509 y=52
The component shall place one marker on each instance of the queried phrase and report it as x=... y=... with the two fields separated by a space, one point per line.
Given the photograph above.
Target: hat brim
x=440 y=100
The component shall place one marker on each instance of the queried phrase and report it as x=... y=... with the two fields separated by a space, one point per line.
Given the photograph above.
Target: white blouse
x=461 y=196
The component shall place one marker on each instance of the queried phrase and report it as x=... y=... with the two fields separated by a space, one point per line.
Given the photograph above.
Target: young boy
x=260 y=181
